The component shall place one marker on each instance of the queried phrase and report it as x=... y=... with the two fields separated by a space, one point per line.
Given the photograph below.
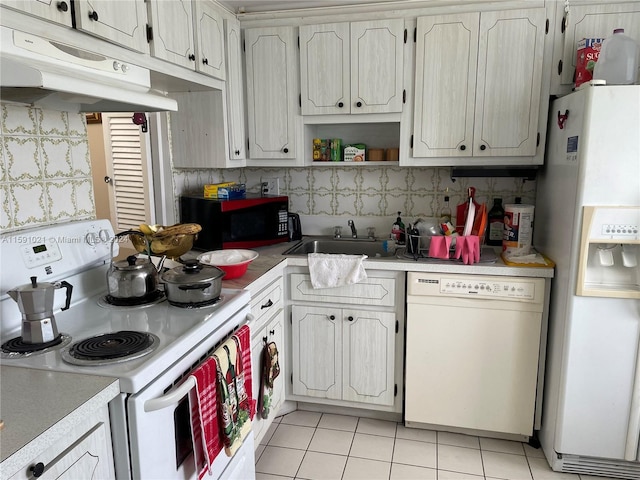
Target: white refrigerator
x=587 y=220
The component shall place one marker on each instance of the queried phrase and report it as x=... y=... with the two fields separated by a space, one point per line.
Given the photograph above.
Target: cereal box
x=588 y=52
x=354 y=153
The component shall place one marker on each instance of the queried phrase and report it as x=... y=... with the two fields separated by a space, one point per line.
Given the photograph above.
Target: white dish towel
x=335 y=270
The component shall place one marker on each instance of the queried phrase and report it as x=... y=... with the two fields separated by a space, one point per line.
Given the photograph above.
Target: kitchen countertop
x=37 y=410
x=271 y=263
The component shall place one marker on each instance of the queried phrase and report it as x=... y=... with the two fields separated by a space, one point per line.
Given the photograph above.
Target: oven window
x=182 y=422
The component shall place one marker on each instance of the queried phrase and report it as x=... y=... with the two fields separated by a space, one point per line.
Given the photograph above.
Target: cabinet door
x=509 y=82
x=316 y=361
x=376 y=66
x=325 y=79
x=445 y=85
x=209 y=40
x=53 y=10
x=235 y=97
x=119 y=22
x=172 y=24
x=271 y=92
x=368 y=356
x=596 y=21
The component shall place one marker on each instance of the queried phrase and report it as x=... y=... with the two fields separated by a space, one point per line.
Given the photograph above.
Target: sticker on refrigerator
x=572 y=149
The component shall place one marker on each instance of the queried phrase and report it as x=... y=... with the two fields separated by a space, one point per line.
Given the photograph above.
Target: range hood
x=47 y=74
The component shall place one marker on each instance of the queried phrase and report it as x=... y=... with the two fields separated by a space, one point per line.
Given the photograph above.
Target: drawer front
x=266 y=303
x=372 y=291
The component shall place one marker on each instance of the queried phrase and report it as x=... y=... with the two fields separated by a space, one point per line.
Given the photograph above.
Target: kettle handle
x=69 y=288
x=131 y=232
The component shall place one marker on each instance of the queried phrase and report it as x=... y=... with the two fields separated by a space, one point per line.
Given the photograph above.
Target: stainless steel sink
x=349 y=246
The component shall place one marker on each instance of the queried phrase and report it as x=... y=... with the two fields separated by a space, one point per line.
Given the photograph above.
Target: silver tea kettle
x=133 y=278
x=35 y=301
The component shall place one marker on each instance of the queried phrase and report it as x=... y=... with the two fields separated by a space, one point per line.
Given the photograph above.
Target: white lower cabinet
x=85 y=453
x=347 y=342
x=266 y=328
x=343 y=354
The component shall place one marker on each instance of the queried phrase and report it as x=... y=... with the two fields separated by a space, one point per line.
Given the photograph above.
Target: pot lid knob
x=131 y=260
x=34 y=282
x=192 y=266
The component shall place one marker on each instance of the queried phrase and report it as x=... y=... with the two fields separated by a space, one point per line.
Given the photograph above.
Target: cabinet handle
x=463 y=147
x=272 y=332
x=350 y=318
x=483 y=147
x=94 y=16
x=192 y=57
x=340 y=104
x=237 y=152
x=332 y=317
x=266 y=305
x=358 y=104
x=285 y=150
x=37 y=469
x=205 y=61
x=62 y=6
x=264 y=339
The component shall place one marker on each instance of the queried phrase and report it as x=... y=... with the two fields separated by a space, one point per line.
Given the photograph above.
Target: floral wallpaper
x=363 y=191
x=45 y=170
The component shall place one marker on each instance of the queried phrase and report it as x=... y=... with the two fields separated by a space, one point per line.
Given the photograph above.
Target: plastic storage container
x=618 y=60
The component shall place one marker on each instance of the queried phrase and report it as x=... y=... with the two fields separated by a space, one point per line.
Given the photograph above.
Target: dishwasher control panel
x=488 y=289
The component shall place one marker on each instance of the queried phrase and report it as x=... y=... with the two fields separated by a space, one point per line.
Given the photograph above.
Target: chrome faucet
x=354 y=232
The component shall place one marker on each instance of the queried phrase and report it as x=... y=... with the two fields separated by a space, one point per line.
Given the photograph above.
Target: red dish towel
x=204 y=416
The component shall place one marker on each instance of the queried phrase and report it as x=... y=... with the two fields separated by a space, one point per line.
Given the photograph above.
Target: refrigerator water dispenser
x=609 y=250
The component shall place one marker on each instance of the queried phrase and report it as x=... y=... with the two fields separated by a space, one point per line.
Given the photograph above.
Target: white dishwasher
x=472 y=352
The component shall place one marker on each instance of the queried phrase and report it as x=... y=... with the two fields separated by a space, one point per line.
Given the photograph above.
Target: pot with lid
x=193 y=284
x=133 y=278
x=35 y=301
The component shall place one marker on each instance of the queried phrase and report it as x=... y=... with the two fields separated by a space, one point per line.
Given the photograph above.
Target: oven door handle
x=170 y=398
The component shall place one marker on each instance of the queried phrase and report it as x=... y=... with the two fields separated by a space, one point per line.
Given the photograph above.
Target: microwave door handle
x=170 y=398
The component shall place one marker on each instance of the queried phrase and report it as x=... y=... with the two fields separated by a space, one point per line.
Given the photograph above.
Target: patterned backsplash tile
x=45 y=169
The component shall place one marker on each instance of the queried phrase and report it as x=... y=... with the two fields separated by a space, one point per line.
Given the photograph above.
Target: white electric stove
x=148 y=443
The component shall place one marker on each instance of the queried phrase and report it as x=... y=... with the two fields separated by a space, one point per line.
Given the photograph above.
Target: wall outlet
x=270 y=186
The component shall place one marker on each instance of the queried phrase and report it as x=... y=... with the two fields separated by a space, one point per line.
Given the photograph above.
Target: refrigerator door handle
x=633 y=432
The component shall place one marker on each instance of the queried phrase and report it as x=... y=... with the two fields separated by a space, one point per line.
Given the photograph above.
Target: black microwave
x=249 y=222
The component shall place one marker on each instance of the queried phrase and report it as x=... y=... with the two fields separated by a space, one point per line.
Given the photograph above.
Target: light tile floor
x=316 y=446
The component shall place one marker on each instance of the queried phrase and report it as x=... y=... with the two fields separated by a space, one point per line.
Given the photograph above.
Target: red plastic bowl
x=233 y=263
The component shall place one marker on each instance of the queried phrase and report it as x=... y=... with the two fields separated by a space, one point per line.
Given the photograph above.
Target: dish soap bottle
x=397 y=230
x=496 y=223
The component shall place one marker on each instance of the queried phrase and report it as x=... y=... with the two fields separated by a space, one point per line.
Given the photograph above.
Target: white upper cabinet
x=509 y=83
x=190 y=34
x=235 y=97
x=591 y=21
x=209 y=30
x=58 y=11
x=352 y=67
x=478 y=84
x=446 y=64
x=172 y=32
x=123 y=23
x=272 y=92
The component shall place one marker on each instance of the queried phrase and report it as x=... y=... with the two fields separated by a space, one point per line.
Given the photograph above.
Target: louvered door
x=127 y=167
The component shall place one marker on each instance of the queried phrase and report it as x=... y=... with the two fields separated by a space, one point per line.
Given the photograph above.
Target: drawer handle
x=350 y=318
x=37 y=469
x=266 y=305
x=332 y=317
x=272 y=332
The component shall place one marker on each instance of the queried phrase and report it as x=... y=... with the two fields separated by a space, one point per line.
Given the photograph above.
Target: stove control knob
x=104 y=235
x=91 y=238
x=37 y=469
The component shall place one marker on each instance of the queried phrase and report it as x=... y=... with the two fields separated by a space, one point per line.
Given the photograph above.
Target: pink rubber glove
x=473 y=246
x=461 y=247
x=439 y=246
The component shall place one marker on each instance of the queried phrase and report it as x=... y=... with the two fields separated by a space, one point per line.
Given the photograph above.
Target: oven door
x=159 y=420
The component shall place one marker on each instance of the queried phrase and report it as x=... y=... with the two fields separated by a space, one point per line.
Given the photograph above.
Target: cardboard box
x=232 y=192
x=211 y=190
x=354 y=153
x=587 y=56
